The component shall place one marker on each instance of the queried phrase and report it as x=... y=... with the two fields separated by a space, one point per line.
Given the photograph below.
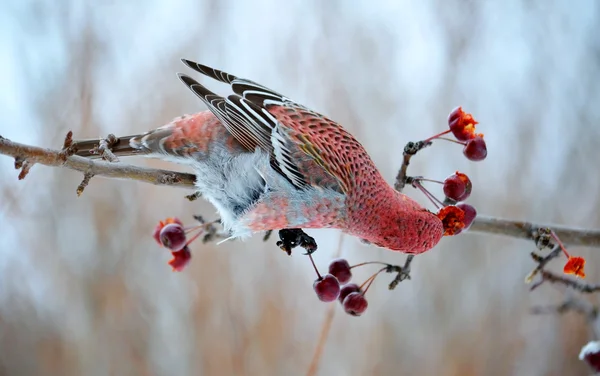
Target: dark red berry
x=161 y=225
x=180 y=259
x=340 y=269
x=327 y=288
x=475 y=149
x=591 y=354
x=455 y=187
x=355 y=304
x=347 y=290
x=173 y=236
x=470 y=214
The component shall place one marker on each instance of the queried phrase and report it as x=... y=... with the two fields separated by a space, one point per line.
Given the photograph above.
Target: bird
x=266 y=162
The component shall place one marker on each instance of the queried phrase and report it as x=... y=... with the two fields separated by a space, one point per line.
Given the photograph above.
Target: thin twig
x=569 y=282
x=542 y=262
x=410 y=149
x=525 y=230
x=32 y=154
x=84 y=183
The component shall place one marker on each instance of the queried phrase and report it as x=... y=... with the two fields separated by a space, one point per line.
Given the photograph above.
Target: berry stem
x=370 y=262
x=560 y=244
x=429 y=180
x=319 y=277
x=191 y=228
x=451 y=140
x=429 y=195
x=194 y=237
x=436 y=136
x=370 y=280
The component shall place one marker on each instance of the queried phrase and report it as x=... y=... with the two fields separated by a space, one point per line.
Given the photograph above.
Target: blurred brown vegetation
x=84 y=290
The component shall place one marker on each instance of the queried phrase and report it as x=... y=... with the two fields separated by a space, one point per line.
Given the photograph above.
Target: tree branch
x=526 y=230
x=26 y=156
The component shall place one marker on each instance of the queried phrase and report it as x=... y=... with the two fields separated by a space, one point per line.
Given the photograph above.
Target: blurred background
x=84 y=289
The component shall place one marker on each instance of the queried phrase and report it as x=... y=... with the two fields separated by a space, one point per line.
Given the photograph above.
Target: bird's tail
x=120 y=146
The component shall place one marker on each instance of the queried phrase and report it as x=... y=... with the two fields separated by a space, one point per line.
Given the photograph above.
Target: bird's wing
x=305 y=147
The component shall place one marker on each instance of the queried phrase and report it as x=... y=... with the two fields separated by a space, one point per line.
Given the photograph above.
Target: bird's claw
x=295 y=237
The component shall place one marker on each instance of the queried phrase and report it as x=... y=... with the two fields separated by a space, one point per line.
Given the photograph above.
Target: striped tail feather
x=89 y=148
x=151 y=142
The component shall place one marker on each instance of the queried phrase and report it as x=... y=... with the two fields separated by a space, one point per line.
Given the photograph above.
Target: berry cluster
x=336 y=285
x=171 y=234
x=462 y=126
x=456 y=215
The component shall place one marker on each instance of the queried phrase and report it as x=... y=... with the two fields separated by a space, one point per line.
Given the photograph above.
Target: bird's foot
x=295 y=237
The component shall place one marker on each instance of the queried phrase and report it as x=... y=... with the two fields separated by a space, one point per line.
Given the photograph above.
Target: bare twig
x=410 y=149
x=572 y=304
x=32 y=154
x=403 y=272
x=84 y=183
x=526 y=230
x=569 y=282
x=542 y=262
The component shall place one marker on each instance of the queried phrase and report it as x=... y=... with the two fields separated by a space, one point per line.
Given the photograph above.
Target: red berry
x=455 y=187
x=591 y=354
x=475 y=149
x=470 y=214
x=462 y=125
x=355 y=304
x=180 y=259
x=340 y=270
x=347 y=290
x=327 y=288
x=161 y=224
x=458 y=186
x=173 y=236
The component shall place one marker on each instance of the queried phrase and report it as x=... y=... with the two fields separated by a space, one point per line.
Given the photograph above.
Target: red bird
x=268 y=163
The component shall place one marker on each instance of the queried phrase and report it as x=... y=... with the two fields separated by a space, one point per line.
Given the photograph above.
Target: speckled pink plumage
x=268 y=163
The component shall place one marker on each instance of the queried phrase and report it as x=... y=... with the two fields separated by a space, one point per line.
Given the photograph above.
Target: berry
x=161 y=224
x=355 y=304
x=462 y=125
x=173 y=236
x=180 y=259
x=327 y=288
x=347 y=290
x=340 y=269
x=452 y=218
x=457 y=186
x=470 y=214
x=591 y=354
x=475 y=149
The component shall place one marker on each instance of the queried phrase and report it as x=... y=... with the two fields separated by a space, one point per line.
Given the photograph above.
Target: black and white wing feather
x=246 y=118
